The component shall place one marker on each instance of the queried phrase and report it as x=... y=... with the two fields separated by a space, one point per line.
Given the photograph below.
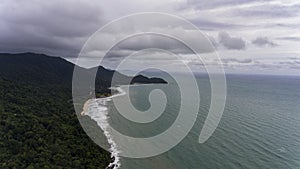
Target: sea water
x=260 y=126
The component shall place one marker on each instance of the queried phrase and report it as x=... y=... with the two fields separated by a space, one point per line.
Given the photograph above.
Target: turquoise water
x=260 y=127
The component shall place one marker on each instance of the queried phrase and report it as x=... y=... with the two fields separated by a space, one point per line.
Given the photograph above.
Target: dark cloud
x=61 y=27
x=233 y=43
x=53 y=27
x=263 y=41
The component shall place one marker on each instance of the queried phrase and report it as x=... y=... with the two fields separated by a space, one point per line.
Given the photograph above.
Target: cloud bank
x=267 y=31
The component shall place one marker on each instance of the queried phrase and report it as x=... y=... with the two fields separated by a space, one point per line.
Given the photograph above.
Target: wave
x=97 y=110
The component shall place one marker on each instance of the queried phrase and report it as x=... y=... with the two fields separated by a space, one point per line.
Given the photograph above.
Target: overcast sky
x=249 y=35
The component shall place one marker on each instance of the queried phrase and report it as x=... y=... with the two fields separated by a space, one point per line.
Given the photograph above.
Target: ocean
x=260 y=126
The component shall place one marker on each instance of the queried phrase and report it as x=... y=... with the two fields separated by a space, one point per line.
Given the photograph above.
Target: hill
x=38 y=124
x=48 y=70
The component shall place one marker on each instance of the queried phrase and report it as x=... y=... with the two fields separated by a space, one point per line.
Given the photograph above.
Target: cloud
x=211 y=25
x=233 y=43
x=289 y=38
x=270 y=11
x=61 y=27
x=233 y=60
x=263 y=41
x=291 y=61
x=163 y=41
x=55 y=27
x=154 y=41
x=213 y=4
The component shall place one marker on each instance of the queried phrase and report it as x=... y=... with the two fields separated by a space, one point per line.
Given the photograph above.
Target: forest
x=39 y=129
x=38 y=124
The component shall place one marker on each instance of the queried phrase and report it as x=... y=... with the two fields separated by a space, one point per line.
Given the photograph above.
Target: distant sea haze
x=260 y=127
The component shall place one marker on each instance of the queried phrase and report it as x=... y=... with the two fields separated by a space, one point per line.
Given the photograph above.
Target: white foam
x=98 y=111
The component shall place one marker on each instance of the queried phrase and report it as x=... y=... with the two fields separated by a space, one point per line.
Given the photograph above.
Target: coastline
x=97 y=110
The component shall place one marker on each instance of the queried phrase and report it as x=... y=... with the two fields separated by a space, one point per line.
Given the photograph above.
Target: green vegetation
x=39 y=129
x=38 y=124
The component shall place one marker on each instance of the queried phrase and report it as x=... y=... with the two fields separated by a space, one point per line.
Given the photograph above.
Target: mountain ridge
x=53 y=70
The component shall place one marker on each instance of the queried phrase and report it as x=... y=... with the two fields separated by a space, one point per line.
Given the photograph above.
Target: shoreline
x=96 y=106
